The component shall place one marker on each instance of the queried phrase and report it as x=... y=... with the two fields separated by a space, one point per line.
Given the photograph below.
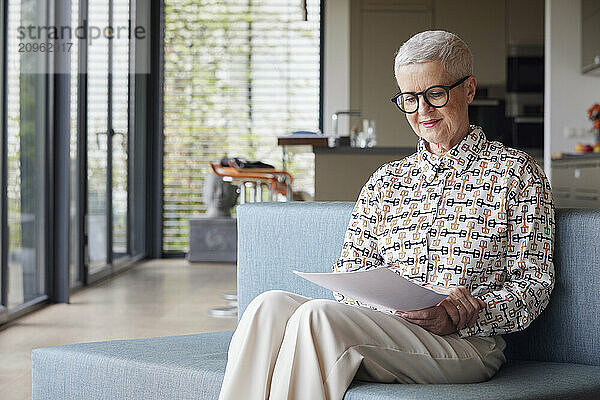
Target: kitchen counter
x=535 y=153
x=576 y=180
x=366 y=150
x=575 y=156
x=341 y=172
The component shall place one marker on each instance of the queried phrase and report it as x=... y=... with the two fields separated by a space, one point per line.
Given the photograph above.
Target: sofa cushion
x=192 y=367
x=515 y=380
x=175 y=367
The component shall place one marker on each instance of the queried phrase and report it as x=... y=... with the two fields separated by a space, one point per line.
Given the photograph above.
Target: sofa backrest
x=276 y=238
x=568 y=330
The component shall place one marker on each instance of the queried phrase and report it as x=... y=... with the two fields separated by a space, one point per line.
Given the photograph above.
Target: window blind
x=237 y=74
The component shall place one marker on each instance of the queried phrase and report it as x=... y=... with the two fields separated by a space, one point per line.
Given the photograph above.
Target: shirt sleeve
x=528 y=256
x=360 y=249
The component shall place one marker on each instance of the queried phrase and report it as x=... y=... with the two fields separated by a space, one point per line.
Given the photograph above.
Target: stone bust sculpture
x=219 y=196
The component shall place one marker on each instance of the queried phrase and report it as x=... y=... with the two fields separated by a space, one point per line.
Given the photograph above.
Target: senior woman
x=463 y=212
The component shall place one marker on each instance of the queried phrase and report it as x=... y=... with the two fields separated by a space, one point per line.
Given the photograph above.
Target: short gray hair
x=445 y=47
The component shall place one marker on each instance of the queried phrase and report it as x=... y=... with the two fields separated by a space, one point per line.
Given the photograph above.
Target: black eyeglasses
x=436 y=96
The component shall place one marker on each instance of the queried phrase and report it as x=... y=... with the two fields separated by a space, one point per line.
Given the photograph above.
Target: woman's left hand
x=434 y=319
x=462 y=307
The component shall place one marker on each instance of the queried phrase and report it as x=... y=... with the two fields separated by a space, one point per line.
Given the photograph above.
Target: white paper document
x=379 y=287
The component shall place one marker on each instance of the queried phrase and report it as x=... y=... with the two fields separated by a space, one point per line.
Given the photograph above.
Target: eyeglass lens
x=434 y=96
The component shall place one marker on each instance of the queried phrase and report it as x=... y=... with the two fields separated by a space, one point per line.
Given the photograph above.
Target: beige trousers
x=289 y=346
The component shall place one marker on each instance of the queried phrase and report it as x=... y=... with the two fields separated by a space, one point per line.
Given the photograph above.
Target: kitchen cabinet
x=482 y=25
x=576 y=181
x=590 y=34
x=525 y=22
x=378 y=29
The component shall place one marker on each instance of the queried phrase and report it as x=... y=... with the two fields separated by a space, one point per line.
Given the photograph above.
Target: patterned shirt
x=480 y=216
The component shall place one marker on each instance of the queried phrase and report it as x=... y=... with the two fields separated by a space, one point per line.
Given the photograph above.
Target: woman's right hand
x=462 y=307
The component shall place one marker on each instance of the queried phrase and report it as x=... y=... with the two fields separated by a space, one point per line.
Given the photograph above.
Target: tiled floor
x=155 y=298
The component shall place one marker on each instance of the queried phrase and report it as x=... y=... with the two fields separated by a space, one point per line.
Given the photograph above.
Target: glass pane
x=26 y=122
x=97 y=129
x=120 y=114
x=237 y=74
x=74 y=245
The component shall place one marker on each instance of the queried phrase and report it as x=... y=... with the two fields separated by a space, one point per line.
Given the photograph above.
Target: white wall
x=336 y=63
x=568 y=93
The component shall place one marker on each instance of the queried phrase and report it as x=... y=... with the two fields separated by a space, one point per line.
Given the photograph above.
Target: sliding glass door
x=120 y=88
x=24 y=161
x=69 y=181
x=107 y=136
x=97 y=139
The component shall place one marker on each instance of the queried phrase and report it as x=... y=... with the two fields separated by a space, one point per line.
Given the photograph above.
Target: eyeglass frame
x=447 y=88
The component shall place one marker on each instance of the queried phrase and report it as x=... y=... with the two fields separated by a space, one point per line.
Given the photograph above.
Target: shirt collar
x=459 y=157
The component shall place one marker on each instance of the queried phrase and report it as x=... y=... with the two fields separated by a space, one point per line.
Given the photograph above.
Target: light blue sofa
x=557 y=357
